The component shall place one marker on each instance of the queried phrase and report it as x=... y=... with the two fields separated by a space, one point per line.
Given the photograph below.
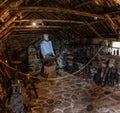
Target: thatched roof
x=62 y=18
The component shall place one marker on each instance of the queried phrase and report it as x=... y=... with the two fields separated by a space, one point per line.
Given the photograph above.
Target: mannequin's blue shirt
x=46 y=48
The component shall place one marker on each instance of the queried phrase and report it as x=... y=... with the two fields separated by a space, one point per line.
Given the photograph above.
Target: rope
x=72 y=75
x=89 y=61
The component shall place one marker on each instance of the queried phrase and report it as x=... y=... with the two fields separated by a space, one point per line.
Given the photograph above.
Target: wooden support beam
x=31 y=43
x=61 y=21
x=1 y=4
x=74 y=30
x=4 y=14
x=112 y=23
x=33 y=29
x=84 y=3
x=50 y=20
x=40 y=26
x=23 y=36
x=6 y=31
x=107 y=17
x=2 y=20
x=6 y=34
x=92 y=28
x=9 y=22
x=56 y=10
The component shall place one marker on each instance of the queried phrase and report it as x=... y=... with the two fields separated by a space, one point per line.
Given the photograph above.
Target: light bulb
x=34 y=24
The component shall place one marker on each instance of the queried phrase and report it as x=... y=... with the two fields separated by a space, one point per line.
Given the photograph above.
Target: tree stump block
x=50 y=71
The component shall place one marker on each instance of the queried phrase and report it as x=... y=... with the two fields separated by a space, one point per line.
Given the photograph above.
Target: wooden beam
x=7 y=24
x=90 y=26
x=24 y=35
x=6 y=31
x=33 y=29
x=56 y=10
x=74 y=30
x=108 y=36
x=61 y=21
x=31 y=43
x=50 y=20
x=1 y=4
x=108 y=19
x=6 y=35
x=4 y=14
x=2 y=20
x=40 y=26
x=112 y=23
x=84 y=3
x=10 y=21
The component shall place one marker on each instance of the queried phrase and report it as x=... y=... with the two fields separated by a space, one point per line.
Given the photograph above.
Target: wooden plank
x=56 y=10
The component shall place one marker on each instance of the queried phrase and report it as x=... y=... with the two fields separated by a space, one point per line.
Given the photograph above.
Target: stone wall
x=35 y=57
x=34 y=60
x=63 y=49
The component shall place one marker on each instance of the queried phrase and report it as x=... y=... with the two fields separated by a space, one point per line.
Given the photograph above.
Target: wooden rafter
x=50 y=20
x=62 y=21
x=112 y=23
x=84 y=3
x=29 y=44
x=6 y=31
x=108 y=18
x=92 y=28
x=33 y=29
x=40 y=26
x=9 y=22
x=56 y=10
x=3 y=3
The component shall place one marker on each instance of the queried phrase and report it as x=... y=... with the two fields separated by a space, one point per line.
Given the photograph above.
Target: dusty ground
x=74 y=95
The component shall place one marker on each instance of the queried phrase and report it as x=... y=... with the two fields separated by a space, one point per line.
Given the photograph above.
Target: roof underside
x=85 y=18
